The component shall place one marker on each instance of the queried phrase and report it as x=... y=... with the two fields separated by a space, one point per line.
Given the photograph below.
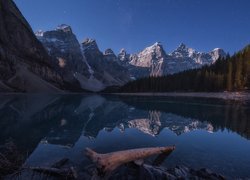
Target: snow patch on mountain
x=153 y=60
x=90 y=70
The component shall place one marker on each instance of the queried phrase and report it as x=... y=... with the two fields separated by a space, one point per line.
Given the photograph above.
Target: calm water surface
x=207 y=133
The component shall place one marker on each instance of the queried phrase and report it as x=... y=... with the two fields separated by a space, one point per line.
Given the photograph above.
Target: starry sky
x=136 y=24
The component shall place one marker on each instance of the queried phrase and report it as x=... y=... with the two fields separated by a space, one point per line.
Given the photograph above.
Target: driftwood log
x=106 y=163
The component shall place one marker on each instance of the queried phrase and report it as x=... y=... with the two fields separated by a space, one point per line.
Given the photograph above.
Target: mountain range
x=55 y=61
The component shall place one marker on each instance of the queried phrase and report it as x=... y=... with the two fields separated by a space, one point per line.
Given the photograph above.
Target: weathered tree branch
x=107 y=163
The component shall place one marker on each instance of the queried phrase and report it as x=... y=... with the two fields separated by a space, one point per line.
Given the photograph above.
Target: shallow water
x=209 y=133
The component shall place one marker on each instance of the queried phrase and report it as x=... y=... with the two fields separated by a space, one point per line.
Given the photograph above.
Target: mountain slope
x=20 y=51
x=106 y=67
x=84 y=62
x=62 y=44
x=66 y=54
x=228 y=74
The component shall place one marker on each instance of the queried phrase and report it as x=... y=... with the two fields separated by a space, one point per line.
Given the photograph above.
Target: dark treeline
x=227 y=74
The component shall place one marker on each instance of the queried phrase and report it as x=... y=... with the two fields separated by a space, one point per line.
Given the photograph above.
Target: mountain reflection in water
x=53 y=126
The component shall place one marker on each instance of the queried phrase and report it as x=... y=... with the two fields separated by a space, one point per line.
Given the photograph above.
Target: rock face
x=61 y=43
x=124 y=57
x=153 y=60
x=106 y=67
x=24 y=64
x=68 y=60
x=96 y=70
x=184 y=58
x=84 y=62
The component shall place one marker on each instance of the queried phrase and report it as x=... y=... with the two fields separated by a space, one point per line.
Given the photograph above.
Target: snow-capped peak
x=217 y=49
x=89 y=44
x=39 y=33
x=157 y=44
x=123 y=56
x=123 y=51
x=217 y=53
x=89 y=41
x=220 y=51
x=152 y=49
x=64 y=28
x=183 y=51
x=184 y=47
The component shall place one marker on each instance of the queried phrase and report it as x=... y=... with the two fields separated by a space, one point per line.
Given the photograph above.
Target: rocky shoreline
x=129 y=171
x=218 y=95
x=66 y=169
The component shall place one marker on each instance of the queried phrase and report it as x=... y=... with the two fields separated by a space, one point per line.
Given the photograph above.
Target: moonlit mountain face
x=96 y=70
x=154 y=61
x=184 y=58
x=152 y=58
x=84 y=62
x=62 y=45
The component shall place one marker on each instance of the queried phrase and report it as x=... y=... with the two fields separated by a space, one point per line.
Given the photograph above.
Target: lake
x=207 y=132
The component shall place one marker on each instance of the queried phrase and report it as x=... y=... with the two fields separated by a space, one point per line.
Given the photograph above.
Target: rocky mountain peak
x=124 y=57
x=154 y=47
x=106 y=67
x=217 y=53
x=110 y=55
x=64 y=48
x=109 y=52
x=90 y=45
x=122 y=54
x=123 y=51
x=155 y=50
x=183 y=51
x=156 y=44
x=150 y=60
x=61 y=36
x=182 y=46
x=65 y=28
x=219 y=50
x=39 y=33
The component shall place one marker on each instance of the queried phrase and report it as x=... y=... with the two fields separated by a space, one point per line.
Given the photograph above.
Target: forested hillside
x=228 y=74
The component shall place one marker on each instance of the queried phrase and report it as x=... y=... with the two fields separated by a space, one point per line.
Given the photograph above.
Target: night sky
x=135 y=24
